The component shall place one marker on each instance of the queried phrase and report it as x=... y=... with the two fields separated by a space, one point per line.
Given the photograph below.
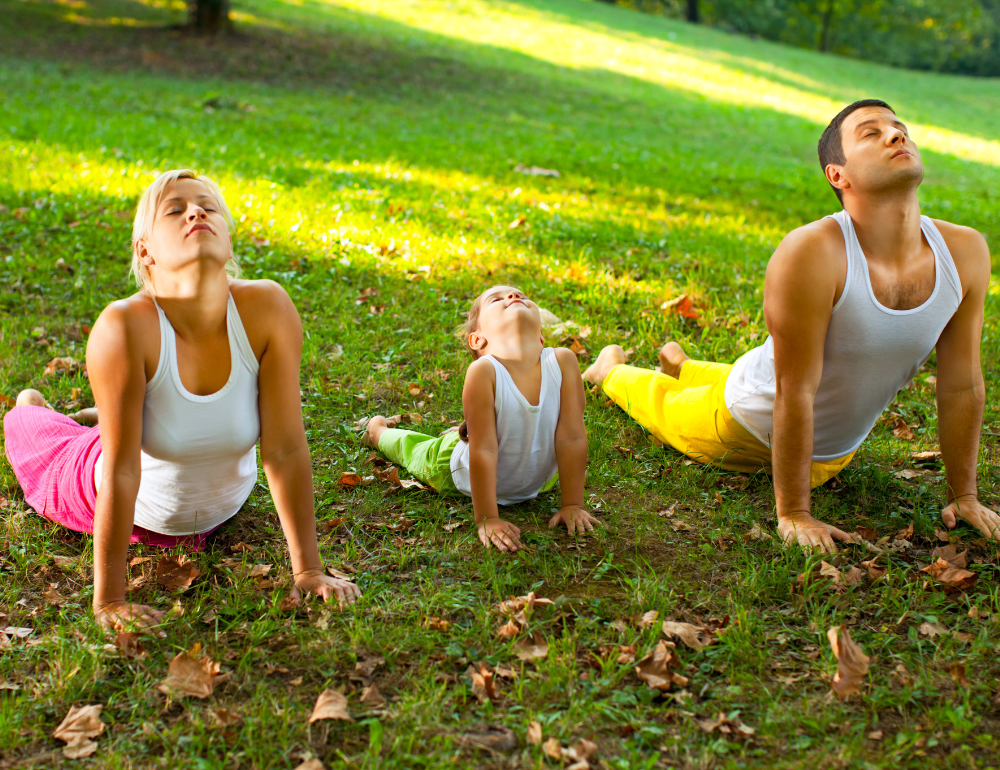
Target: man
x=855 y=304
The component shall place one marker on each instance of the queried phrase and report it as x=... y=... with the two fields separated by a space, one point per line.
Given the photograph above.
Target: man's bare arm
x=802 y=284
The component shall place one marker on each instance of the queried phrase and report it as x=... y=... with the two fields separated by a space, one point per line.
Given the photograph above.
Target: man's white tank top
x=526 y=436
x=871 y=353
x=199 y=453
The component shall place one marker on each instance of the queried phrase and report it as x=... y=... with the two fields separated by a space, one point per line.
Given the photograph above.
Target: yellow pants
x=690 y=414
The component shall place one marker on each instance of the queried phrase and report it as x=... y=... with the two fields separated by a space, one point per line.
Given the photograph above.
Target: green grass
x=374 y=144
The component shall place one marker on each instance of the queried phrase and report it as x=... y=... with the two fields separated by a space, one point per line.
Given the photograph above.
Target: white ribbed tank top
x=526 y=436
x=871 y=353
x=199 y=453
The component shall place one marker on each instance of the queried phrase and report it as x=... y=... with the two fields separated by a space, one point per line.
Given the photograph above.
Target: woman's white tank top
x=526 y=436
x=871 y=353
x=199 y=453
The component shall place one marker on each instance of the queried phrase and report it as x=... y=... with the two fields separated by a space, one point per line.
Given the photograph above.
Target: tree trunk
x=825 y=25
x=692 y=11
x=209 y=16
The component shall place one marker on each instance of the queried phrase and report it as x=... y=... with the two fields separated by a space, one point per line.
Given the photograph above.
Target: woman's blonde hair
x=145 y=214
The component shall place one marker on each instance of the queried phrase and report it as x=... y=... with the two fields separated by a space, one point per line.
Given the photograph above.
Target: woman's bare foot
x=672 y=357
x=85 y=416
x=377 y=425
x=610 y=357
x=30 y=397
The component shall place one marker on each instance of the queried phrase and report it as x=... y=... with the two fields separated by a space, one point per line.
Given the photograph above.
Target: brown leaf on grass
x=876 y=735
x=924 y=457
x=581 y=751
x=367 y=663
x=932 y=629
x=645 y=620
x=950 y=554
x=901 y=430
x=190 y=674
x=77 y=728
x=349 y=479
x=453 y=526
x=370 y=696
x=130 y=644
x=64 y=364
x=724 y=725
x=435 y=623
x=415 y=389
x=906 y=533
x=226 y=717
x=867 y=533
x=331 y=704
x=176 y=572
x=527 y=649
x=682 y=306
x=311 y=764
x=852 y=663
x=906 y=474
x=66 y=563
x=508 y=630
x=259 y=571
x=334 y=572
x=330 y=524
x=53 y=597
x=553 y=748
x=942 y=534
x=7 y=400
x=679 y=525
x=695 y=637
x=874 y=571
x=957 y=672
x=854 y=576
x=491 y=738
x=518 y=606
x=483 y=684
x=654 y=669
x=827 y=570
x=535 y=733
x=756 y=533
x=954 y=578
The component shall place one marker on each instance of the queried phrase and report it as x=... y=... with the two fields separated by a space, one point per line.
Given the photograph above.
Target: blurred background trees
x=958 y=36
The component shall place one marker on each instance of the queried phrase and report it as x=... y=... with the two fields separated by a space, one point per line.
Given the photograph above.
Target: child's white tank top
x=199 y=453
x=870 y=353
x=526 y=436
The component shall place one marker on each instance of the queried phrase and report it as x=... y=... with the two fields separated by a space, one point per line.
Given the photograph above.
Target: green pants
x=428 y=458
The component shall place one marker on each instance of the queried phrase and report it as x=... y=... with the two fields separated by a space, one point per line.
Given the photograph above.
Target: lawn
x=373 y=154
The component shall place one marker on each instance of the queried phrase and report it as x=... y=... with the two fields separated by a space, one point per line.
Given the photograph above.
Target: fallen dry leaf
x=942 y=534
x=453 y=526
x=415 y=389
x=77 y=728
x=580 y=753
x=924 y=457
x=957 y=672
x=874 y=571
x=190 y=674
x=756 y=533
x=53 y=597
x=492 y=738
x=854 y=576
x=876 y=735
x=725 y=725
x=259 y=570
x=130 y=644
x=520 y=168
x=331 y=704
x=349 y=479
x=695 y=637
x=956 y=579
x=682 y=306
x=311 y=764
x=508 y=630
x=907 y=474
x=527 y=649
x=176 y=572
x=901 y=430
x=64 y=364
x=852 y=663
x=370 y=696
x=367 y=663
x=483 y=684
x=827 y=570
x=645 y=620
x=906 y=533
x=553 y=748
x=226 y=717
x=867 y=533
x=932 y=629
x=654 y=669
x=950 y=554
x=437 y=624
x=535 y=733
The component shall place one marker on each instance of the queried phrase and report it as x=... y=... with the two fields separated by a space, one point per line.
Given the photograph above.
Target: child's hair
x=472 y=324
x=145 y=213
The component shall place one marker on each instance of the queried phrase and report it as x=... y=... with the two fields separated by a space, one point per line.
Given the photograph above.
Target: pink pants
x=53 y=458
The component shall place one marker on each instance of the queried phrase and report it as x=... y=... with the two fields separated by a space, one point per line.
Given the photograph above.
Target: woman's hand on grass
x=800 y=527
x=501 y=534
x=316 y=582
x=576 y=518
x=125 y=616
x=973 y=512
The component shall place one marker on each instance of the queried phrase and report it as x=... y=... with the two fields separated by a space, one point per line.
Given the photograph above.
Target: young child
x=523 y=425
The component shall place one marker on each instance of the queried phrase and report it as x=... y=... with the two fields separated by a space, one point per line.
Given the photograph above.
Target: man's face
x=880 y=154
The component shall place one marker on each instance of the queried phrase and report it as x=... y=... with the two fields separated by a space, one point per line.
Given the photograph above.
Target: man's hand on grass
x=576 y=518
x=969 y=508
x=501 y=534
x=801 y=528
x=321 y=584
x=125 y=616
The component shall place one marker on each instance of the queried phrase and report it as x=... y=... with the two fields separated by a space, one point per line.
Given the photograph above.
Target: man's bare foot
x=85 y=416
x=672 y=358
x=30 y=397
x=610 y=357
x=377 y=425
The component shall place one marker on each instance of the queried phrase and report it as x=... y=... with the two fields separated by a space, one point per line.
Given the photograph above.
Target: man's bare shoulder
x=819 y=240
x=961 y=239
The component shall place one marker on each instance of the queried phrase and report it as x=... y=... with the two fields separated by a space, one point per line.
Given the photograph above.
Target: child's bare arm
x=480 y=418
x=571 y=446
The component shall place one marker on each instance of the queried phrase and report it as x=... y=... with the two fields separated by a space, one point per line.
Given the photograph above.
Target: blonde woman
x=188 y=375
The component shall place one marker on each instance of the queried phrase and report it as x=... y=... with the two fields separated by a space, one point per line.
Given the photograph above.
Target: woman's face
x=188 y=227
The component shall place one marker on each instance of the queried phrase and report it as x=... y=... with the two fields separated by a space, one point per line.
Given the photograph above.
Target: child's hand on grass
x=576 y=518
x=321 y=584
x=125 y=616
x=502 y=534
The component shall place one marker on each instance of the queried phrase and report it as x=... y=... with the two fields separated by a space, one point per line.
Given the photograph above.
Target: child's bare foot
x=30 y=397
x=672 y=357
x=377 y=425
x=85 y=416
x=610 y=357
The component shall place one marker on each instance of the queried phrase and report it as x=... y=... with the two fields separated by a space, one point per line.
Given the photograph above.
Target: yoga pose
x=855 y=304
x=188 y=374
x=523 y=423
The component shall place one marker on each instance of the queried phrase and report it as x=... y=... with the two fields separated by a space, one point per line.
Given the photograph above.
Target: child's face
x=504 y=311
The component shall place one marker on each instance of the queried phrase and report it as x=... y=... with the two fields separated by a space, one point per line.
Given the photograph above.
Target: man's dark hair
x=831 y=145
